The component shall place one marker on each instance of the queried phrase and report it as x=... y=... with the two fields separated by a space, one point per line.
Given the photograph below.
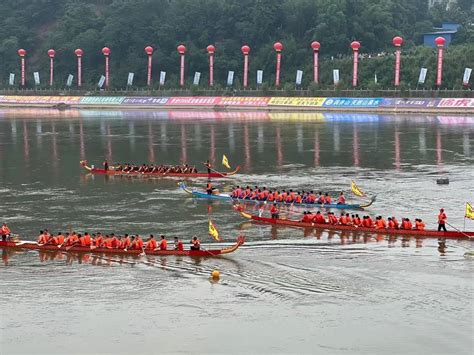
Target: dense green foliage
x=127 y=26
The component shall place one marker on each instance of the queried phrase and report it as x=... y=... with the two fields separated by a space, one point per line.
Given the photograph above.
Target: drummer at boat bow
x=195 y=243
x=5 y=232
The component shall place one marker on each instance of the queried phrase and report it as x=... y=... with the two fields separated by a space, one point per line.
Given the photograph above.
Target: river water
x=286 y=290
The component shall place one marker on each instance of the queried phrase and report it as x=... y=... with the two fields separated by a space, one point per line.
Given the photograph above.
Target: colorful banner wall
x=145 y=100
x=39 y=100
x=406 y=103
x=456 y=103
x=193 y=101
x=244 y=101
x=352 y=102
x=104 y=100
x=297 y=101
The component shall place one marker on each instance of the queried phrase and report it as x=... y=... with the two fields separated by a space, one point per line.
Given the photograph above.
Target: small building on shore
x=447 y=30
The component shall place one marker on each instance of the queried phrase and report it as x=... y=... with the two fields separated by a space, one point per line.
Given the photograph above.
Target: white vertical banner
x=70 y=78
x=230 y=78
x=197 y=78
x=101 y=81
x=335 y=76
x=422 y=77
x=375 y=78
x=130 y=79
x=467 y=76
x=259 y=77
x=162 y=77
x=11 y=79
x=299 y=77
x=36 y=75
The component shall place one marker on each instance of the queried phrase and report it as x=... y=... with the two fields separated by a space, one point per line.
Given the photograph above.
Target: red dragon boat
x=215 y=175
x=202 y=253
x=338 y=227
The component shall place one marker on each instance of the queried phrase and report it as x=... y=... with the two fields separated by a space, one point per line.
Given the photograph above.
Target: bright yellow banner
x=297 y=101
x=469 y=211
x=225 y=161
x=355 y=189
x=213 y=232
x=297 y=116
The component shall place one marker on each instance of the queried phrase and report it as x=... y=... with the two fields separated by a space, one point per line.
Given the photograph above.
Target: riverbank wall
x=238 y=103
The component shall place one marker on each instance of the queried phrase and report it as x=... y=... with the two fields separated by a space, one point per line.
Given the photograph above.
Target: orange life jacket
x=163 y=244
x=151 y=244
x=420 y=225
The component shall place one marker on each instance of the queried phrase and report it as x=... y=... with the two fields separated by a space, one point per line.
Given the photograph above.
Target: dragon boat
x=227 y=197
x=202 y=253
x=338 y=227
x=111 y=171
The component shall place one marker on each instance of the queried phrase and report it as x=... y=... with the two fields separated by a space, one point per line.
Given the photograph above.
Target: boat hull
x=338 y=227
x=78 y=249
x=226 y=197
x=214 y=175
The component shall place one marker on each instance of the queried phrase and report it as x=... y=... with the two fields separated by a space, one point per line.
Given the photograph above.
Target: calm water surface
x=285 y=291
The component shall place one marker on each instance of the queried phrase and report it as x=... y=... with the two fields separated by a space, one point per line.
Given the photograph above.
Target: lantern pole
x=355 y=48
x=315 y=46
x=22 y=54
x=79 y=52
x=397 y=42
x=439 y=41
x=210 y=50
x=149 y=52
x=245 y=51
x=106 y=53
x=278 y=48
x=181 y=50
x=51 y=53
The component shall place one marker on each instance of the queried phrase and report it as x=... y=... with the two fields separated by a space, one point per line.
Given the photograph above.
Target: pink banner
x=316 y=65
x=148 y=77
x=79 y=71
x=467 y=102
x=211 y=70
x=22 y=71
x=106 y=71
x=397 y=67
x=181 y=71
x=194 y=101
x=277 y=78
x=244 y=101
x=354 y=69
x=51 y=71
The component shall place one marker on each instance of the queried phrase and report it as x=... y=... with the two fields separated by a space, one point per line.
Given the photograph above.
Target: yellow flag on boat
x=355 y=189
x=213 y=232
x=469 y=211
x=225 y=161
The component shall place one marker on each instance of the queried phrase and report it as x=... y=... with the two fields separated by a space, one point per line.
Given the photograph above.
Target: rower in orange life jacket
x=327 y=199
x=178 y=244
x=419 y=224
x=254 y=194
x=343 y=219
x=341 y=200
x=5 y=232
x=298 y=198
x=138 y=242
x=261 y=195
x=126 y=242
x=107 y=243
x=151 y=243
x=270 y=197
x=395 y=222
x=320 y=198
x=380 y=223
x=390 y=223
x=306 y=217
x=319 y=218
x=442 y=220
x=274 y=211
x=163 y=243
x=98 y=240
x=195 y=243
x=406 y=224
x=311 y=197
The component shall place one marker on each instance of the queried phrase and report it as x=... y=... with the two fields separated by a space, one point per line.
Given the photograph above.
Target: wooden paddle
x=460 y=231
x=211 y=169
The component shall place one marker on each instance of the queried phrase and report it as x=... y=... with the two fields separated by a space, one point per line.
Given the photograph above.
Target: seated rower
x=195 y=243
x=311 y=197
x=380 y=223
x=327 y=199
x=332 y=219
x=320 y=200
x=343 y=219
x=126 y=242
x=319 y=218
x=178 y=244
x=5 y=232
x=419 y=224
x=139 y=242
x=299 y=198
x=390 y=223
x=85 y=240
x=395 y=222
x=209 y=188
x=163 y=243
x=151 y=243
x=40 y=238
x=107 y=243
x=307 y=218
x=341 y=200
x=274 y=211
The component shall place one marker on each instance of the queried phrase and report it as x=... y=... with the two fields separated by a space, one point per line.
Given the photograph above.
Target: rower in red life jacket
x=107 y=243
x=298 y=198
x=395 y=222
x=195 y=243
x=341 y=200
x=139 y=242
x=276 y=195
x=178 y=244
x=306 y=217
x=266 y=193
x=319 y=218
x=327 y=199
x=311 y=197
x=419 y=224
x=390 y=223
x=367 y=222
x=274 y=211
x=5 y=232
x=151 y=243
x=442 y=220
x=357 y=221
x=261 y=195
x=270 y=197
x=320 y=198
x=343 y=219
x=98 y=240
x=254 y=194
x=85 y=240
x=126 y=242
x=380 y=223
x=237 y=192
x=163 y=243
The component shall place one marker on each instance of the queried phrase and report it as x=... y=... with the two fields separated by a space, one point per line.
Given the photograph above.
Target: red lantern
x=149 y=52
x=278 y=48
x=106 y=53
x=315 y=45
x=440 y=41
x=355 y=45
x=51 y=53
x=397 y=42
x=181 y=50
x=79 y=52
x=245 y=51
x=22 y=54
x=210 y=50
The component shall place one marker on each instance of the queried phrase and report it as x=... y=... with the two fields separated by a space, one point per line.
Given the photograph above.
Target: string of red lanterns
x=245 y=49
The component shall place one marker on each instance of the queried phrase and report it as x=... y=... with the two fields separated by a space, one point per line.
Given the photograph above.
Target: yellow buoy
x=215 y=274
